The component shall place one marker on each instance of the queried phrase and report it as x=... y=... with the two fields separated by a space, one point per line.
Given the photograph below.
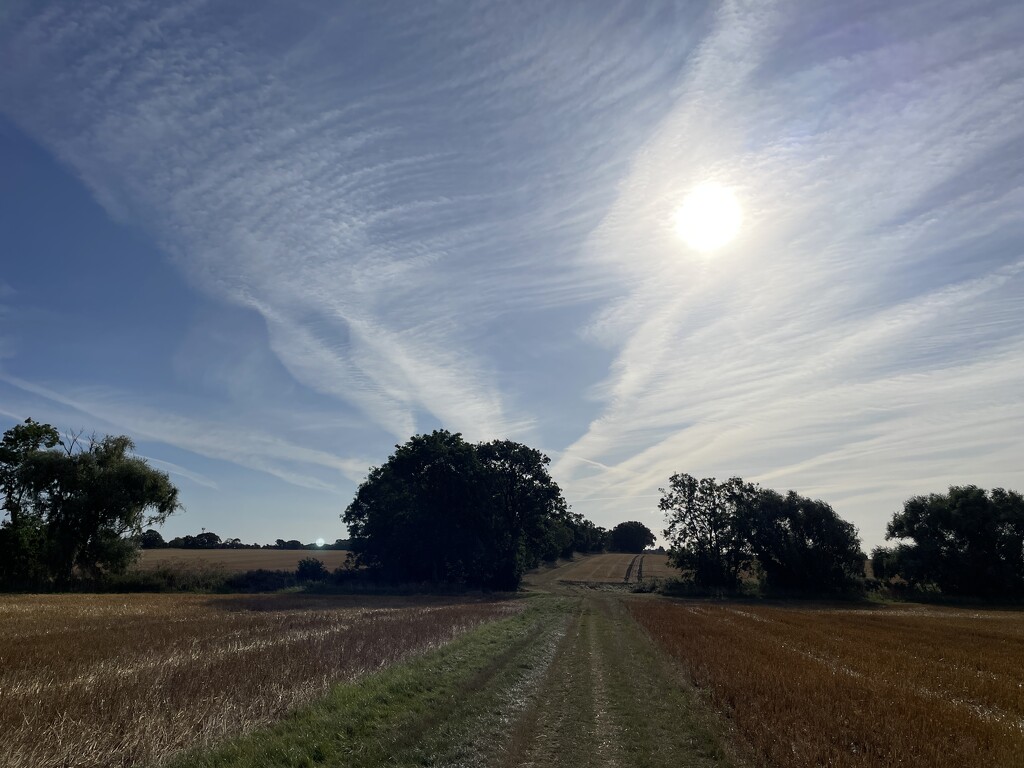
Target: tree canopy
x=631 y=536
x=717 y=531
x=967 y=541
x=73 y=504
x=445 y=510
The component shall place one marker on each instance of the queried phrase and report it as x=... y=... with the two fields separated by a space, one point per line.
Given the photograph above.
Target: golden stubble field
x=608 y=568
x=126 y=680
x=893 y=686
x=237 y=560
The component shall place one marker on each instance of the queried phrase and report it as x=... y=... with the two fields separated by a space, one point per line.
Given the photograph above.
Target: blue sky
x=271 y=240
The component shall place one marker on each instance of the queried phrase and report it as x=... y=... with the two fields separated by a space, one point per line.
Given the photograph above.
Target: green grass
x=570 y=681
x=440 y=708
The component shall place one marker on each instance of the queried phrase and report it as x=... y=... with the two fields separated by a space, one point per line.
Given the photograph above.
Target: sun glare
x=320 y=542
x=709 y=217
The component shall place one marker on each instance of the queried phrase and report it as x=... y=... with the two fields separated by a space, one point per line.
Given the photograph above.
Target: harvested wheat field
x=657 y=567
x=873 y=687
x=238 y=560
x=125 y=680
x=607 y=568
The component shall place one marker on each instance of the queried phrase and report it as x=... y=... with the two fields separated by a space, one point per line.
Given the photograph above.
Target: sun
x=320 y=542
x=709 y=217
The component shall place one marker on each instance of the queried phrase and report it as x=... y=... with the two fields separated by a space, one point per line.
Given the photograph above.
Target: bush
x=259 y=580
x=311 y=569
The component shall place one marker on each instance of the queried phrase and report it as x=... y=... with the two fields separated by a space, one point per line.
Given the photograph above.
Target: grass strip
x=660 y=722
x=427 y=711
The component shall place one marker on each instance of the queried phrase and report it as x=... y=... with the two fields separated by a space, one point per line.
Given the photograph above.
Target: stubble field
x=896 y=686
x=237 y=560
x=609 y=568
x=123 y=680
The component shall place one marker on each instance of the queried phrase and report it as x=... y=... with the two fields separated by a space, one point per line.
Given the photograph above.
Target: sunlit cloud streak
x=246 y=446
x=863 y=338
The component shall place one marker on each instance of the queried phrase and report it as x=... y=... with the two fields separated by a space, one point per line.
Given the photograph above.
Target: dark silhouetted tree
x=444 y=510
x=311 y=569
x=967 y=541
x=81 y=506
x=802 y=545
x=151 y=539
x=706 y=527
x=631 y=536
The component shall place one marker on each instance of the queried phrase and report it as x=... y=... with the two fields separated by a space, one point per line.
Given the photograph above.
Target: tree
x=21 y=525
x=80 y=506
x=444 y=510
x=311 y=569
x=631 y=536
x=151 y=539
x=967 y=541
x=718 y=530
x=706 y=527
x=802 y=544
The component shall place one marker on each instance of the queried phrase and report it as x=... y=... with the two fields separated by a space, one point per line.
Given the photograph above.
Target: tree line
x=152 y=539
x=442 y=509
x=722 y=532
x=967 y=541
x=73 y=505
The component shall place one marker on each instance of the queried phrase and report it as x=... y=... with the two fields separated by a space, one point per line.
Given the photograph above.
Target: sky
x=270 y=241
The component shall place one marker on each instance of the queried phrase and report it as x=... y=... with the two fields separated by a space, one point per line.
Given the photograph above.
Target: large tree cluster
x=630 y=536
x=968 y=541
x=442 y=509
x=720 y=531
x=73 y=507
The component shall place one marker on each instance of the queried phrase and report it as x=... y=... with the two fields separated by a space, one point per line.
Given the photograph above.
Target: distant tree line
x=151 y=539
x=441 y=509
x=967 y=541
x=73 y=506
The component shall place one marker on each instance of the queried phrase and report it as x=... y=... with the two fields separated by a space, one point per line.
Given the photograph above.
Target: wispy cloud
x=862 y=340
x=377 y=249
x=176 y=469
x=400 y=190
x=244 y=446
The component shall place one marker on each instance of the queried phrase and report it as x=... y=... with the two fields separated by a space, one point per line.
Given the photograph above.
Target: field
x=237 y=560
x=579 y=673
x=120 y=680
x=855 y=687
x=609 y=568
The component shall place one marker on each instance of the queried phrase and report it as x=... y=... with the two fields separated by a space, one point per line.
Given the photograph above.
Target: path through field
x=571 y=681
x=607 y=568
x=611 y=699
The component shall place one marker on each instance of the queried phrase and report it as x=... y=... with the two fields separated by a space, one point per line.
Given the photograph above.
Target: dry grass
x=874 y=687
x=237 y=560
x=657 y=567
x=127 y=680
x=603 y=568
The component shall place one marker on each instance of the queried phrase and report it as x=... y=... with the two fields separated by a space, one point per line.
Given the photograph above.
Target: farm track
x=607 y=568
x=610 y=699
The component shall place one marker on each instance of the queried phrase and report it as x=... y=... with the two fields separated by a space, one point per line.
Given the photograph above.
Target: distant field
x=239 y=559
x=126 y=680
x=657 y=567
x=609 y=568
x=859 y=687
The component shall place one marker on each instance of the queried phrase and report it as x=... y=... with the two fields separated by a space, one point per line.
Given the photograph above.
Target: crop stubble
x=872 y=687
x=118 y=680
x=237 y=560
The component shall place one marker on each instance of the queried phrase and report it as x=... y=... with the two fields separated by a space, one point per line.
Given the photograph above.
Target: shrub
x=311 y=569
